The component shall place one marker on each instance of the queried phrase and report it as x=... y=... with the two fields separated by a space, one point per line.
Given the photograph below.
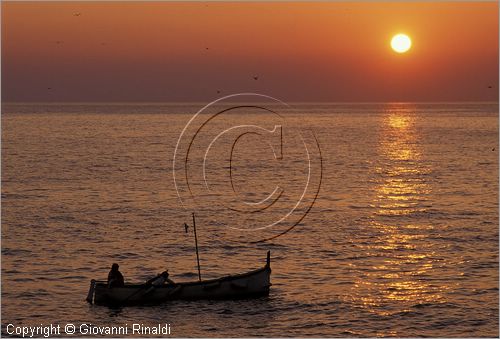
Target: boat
x=251 y=284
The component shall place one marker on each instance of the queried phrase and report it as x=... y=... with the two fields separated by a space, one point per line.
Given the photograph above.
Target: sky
x=324 y=51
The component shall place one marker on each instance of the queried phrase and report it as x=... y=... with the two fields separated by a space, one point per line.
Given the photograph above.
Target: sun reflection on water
x=400 y=258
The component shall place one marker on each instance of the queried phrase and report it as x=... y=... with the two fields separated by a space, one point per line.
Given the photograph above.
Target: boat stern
x=90 y=294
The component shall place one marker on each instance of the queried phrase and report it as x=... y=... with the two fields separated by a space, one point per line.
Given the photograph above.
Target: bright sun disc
x=401 y=43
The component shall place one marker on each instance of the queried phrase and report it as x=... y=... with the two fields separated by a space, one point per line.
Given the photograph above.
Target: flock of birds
x=77 y=14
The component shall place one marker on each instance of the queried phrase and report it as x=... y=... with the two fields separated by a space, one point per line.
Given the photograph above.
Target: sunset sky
x=139 y=51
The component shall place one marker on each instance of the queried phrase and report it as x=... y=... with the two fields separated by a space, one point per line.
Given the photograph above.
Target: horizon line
x=204 y=102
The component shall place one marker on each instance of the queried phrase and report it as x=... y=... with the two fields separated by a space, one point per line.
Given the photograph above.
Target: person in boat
x=115 y=278
x=160 y=279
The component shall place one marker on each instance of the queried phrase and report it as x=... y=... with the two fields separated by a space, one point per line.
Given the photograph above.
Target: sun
x=401 y=43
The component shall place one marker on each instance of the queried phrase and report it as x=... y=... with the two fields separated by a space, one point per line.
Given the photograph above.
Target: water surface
x=402 y=240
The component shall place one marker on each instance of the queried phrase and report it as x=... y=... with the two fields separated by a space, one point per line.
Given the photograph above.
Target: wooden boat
x=246 y=285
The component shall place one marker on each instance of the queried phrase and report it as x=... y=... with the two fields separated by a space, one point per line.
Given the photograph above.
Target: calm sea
x=402 y=239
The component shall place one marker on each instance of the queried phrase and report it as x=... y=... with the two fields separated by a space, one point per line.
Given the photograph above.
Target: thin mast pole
x=196 y=243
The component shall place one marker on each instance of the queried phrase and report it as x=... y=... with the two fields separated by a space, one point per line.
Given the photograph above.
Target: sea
x=381 y=218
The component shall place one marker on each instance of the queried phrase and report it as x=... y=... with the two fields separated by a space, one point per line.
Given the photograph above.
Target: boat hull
x=247 y=285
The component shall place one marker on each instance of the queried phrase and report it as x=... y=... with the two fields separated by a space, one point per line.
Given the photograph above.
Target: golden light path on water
x=398 y=276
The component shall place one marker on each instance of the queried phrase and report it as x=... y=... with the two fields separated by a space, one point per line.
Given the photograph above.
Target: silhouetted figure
x=160 y=280
x=115 y=278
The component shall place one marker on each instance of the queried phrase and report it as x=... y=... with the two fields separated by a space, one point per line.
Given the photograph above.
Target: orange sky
x=139 y=51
